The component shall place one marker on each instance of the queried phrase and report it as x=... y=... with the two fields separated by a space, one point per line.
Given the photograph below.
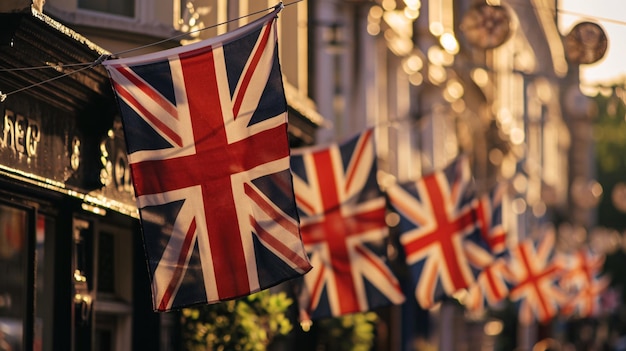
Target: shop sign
x=115 y=175
x=115 y=170
x=44 y=144
x=20 y=134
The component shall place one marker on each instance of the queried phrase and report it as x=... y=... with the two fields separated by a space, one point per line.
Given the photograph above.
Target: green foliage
x=247 y=324
x=610 y=148
x=353 y=332
x=610 y=134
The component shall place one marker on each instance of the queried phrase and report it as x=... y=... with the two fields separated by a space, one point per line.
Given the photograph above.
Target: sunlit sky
x=610 y=15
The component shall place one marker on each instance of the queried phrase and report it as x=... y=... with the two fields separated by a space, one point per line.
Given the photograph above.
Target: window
x=114 y=289
x=116 y=7
x=103 y=272
x=13 y=270
x=44 y=267
x=145 y=19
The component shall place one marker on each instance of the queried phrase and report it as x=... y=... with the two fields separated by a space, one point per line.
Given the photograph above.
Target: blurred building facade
x=495 y=80
x=435 y=78
x=73 y=268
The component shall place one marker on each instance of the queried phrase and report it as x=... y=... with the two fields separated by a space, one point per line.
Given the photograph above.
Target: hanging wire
x=98 y=61
x=279 y=5
x=54 y=66
x=88 y=65
x=595 y=18
x=104 y=57
x=567 y=12
x=119 y=53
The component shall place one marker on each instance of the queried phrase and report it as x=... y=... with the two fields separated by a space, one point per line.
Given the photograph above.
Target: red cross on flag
x=342 y=214
x=534 y=276
x=489 y=289
x=439 y=232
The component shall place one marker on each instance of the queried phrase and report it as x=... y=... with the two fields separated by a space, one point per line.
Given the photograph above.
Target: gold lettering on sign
x=122 y=174
x=105 y=162
x=75 y=156
x=115 y=169
x=20 y=134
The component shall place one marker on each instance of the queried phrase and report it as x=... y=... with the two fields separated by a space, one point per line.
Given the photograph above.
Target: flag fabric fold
x=342 y=212
x=583 y=282
x=440 y=231
x=541 y=281
x=206 y=132
x=490 y=287
x=489 y=212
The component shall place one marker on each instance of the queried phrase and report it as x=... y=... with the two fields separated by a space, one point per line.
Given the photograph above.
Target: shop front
x=72 y=268
x=73 y=273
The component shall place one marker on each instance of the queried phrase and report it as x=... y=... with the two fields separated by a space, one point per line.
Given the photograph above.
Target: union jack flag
x=489 y=211
x=342 y=216
x=206 y=131
x=490 y=287
x=583 y=282
x=534 y=276
x=438 y=231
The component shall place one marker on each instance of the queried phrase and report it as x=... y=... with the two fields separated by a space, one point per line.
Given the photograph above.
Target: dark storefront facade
x=72 y=267
x=72 y=270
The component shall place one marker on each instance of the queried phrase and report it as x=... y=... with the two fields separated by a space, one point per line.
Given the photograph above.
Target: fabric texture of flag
x=534 y=275
x=342 y=212
x=206 y=132
x=583 y=282
x=439 y=231
x=490 y=287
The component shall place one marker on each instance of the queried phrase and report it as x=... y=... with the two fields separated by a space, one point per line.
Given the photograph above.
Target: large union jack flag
x=342 y=212
x=439 y=231
x=206 y=131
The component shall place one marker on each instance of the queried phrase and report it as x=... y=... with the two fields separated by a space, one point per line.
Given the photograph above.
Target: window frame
x=108 y=13
x=28 y=261
x=114 y=311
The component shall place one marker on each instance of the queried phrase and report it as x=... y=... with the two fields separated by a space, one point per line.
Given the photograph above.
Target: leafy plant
x=353 y=332
x=247 y=324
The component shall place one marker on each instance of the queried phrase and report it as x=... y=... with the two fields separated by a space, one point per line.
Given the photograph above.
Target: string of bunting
x=99 y=60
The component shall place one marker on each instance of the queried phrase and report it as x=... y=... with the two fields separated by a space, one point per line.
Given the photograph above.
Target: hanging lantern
x=486 y=26
x=586 y=43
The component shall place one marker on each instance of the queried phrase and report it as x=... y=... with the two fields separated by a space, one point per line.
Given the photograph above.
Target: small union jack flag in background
x=206 y=130
x=534 y=276
x=490 y=287
x=342 y=215
x=583 y=283
x=439 y=232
